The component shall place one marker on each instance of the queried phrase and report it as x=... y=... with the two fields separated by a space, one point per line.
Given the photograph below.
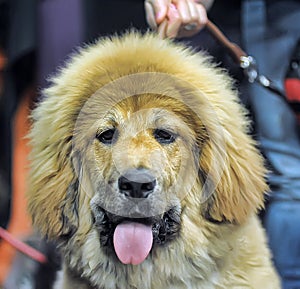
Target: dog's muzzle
x=117 y=233
x=130 y=230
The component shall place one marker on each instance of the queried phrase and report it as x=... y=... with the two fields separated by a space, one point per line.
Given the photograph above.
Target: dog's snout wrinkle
x=137 y=183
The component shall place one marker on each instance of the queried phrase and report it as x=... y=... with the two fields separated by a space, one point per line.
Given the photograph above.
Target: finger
x=174 y=21
x=184 y=11
x=193 y=10
x=202 y=14
x=150 y=15
x=160 y=8
x=200 y=22
x=162 y=29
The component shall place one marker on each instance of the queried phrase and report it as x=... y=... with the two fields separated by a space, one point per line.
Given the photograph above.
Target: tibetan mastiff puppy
x=143 y=173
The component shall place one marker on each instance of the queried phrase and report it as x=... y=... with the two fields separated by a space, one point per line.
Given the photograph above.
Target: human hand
x=175 y=18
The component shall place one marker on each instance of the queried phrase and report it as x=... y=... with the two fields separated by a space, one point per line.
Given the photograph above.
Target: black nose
x=137 y=183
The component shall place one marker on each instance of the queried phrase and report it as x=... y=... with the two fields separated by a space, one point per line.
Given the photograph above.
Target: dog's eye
x=107 y=136
x=163 y=136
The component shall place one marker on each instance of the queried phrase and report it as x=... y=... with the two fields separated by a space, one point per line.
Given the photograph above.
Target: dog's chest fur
x=179 y=265
x=171 y=266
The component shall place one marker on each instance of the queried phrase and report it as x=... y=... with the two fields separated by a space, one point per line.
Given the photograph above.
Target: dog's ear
x=232 y=172
x=53 y=192
x=53 y=185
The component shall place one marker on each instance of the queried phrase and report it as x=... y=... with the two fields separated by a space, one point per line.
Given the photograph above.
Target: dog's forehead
x=146 y=112
x=138 y=113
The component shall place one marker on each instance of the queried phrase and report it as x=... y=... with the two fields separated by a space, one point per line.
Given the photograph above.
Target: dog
x=143 y=171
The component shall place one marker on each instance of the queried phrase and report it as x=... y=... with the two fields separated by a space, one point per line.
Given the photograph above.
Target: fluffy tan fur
x=221 y=243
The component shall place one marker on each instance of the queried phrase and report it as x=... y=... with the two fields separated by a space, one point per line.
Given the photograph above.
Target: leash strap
x=246 y=62
x=22 y=247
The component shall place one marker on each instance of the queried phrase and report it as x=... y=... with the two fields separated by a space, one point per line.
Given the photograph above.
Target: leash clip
x=248 y=64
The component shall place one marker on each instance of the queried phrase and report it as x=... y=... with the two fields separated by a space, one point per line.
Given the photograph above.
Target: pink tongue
x=133 y=242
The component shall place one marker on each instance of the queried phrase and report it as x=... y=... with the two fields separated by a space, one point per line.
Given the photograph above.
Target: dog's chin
x=165 y=227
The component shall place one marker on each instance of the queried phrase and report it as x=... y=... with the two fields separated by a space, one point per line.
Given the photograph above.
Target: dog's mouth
x=132 y=239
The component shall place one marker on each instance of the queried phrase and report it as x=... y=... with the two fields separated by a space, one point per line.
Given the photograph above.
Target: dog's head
x=134 y=133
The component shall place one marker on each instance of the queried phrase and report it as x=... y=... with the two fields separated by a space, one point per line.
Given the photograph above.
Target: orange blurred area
x=19 y=225
x=2 y=60
x=2 y=66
